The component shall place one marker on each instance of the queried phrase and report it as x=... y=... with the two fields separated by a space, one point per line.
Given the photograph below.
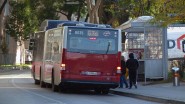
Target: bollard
x=175 y=72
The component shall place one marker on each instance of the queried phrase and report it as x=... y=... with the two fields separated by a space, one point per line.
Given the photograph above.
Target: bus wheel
x=63 y=89
x=33 y=74
x=53 y=86
x=97 y=91
x=36 y=81
x=105 y=91
x=42 y=83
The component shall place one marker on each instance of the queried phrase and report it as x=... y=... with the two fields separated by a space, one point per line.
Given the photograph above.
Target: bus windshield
x=92 y=40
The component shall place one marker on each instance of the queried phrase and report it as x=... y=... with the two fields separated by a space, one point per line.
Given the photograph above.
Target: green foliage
x=164 y=11
x=17 y=65
x=140 y=7
x=49 y=9
x=27 y=15
x=78 y=9
x=170 y=11
x=170 y=76
x=46 y=9
x=116 y=12
x=22 y=21
x=22 y=66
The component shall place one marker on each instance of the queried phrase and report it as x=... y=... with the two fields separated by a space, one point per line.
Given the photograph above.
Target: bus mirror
x=31 y=44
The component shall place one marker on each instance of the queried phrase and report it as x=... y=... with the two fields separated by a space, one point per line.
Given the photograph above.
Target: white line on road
x=57 y=101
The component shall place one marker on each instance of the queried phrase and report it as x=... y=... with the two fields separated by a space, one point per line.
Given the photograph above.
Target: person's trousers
x=123 y=80
x=132 y=78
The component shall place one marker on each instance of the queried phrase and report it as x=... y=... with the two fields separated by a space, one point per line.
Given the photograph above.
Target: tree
x=27 y=15
x=21 y=22
x=164 y=11
x=93 y=7
x=49 y=9
x=3 y=5
x=169 y=11
x=73 y=7
x=4 y=46
x=46 y=9
x=114 y=12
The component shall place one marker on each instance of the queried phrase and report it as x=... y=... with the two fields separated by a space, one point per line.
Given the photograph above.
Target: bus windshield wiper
x=108 y=46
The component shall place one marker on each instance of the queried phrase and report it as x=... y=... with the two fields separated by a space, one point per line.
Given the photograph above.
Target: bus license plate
x=91 y=73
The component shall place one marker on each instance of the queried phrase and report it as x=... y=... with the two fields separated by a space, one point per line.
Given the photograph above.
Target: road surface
x=17 y=87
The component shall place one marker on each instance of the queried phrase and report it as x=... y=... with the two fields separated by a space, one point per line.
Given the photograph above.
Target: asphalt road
x=17 y=87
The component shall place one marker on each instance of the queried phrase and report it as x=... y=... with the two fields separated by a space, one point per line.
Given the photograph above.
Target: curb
x=147 y=98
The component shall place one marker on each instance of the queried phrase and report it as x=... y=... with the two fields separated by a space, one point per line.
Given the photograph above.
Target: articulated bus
x=80 y=56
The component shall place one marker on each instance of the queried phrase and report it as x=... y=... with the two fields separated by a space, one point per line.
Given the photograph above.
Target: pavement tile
x=164 y=91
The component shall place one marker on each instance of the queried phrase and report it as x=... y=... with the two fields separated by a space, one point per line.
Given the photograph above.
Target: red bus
x=86 y=57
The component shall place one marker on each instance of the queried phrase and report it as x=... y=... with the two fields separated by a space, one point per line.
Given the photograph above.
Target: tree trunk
x=69 y=16
x=101 y=11
x=86 y=18
x=79 y=9
x=93 y=10
x=3 y=5
x=5 y=58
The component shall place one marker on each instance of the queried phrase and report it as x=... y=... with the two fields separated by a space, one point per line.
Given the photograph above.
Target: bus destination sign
x=92 y=33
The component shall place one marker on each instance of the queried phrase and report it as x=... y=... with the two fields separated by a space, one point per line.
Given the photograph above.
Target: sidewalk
x=3 y=70
x=163 y=93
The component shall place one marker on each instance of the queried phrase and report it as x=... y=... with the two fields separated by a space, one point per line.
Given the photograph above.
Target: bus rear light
x=62 y=67
x=118 y=69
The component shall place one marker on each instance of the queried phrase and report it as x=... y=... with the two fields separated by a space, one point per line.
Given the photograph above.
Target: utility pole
x=3 y=5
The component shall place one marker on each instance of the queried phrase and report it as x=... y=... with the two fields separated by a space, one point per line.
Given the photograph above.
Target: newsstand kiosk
x=149 y=44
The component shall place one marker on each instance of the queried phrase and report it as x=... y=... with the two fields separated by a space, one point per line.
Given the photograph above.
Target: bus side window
x=55 y=51
x=48 y=50
x=55 y=47
x=31 y=44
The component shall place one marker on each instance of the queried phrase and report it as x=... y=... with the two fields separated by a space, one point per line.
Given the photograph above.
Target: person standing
x=123 y=72
x=132 y=65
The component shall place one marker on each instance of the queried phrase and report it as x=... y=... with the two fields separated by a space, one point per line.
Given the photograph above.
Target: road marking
x=16 y=86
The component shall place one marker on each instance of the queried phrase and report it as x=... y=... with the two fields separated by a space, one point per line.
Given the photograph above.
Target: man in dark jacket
x=132 y=65
x=123 y=72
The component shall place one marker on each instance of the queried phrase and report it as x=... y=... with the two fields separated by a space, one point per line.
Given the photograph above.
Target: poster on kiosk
x=176 y=42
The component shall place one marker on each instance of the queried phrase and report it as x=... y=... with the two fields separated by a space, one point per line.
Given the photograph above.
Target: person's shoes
x=130 y=88
x=120 y=87
x=126 y=87
x=135 y=86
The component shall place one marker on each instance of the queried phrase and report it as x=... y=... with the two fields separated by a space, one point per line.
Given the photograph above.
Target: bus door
x=53 y=55
x=38 y=51
x=48 y=62
x=57 y=45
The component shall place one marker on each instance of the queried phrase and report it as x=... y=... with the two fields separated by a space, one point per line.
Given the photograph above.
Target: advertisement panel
x=138 y=53
x=176 y=42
